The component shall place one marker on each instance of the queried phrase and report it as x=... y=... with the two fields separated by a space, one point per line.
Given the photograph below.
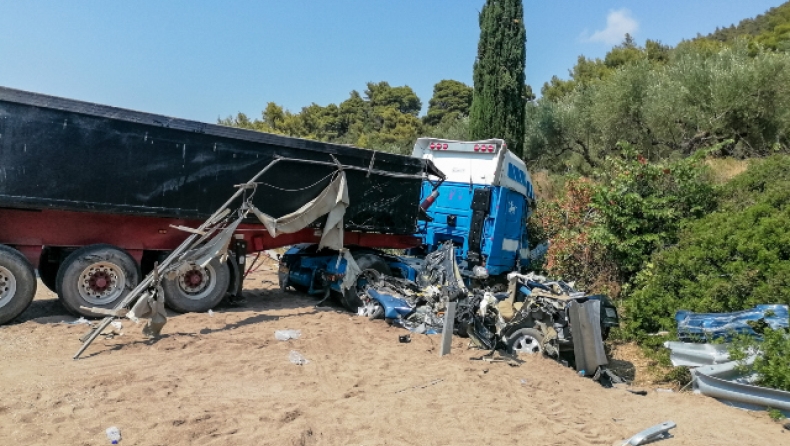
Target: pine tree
x=498 y=104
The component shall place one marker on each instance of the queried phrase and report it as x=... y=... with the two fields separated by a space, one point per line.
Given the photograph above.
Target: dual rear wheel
x=102 y=275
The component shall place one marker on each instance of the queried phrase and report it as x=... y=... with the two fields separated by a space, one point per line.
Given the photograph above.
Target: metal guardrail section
x=696 y=355
x=719 y=381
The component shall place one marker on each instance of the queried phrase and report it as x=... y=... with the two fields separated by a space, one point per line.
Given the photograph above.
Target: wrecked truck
x=480 y=204
x=93 y=196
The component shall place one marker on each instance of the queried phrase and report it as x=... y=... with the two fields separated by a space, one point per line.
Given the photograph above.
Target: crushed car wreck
x=532 y=317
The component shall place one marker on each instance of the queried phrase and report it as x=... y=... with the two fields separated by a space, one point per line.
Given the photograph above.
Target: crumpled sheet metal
x=726 y=382
x=697 y=355
x=705 y=326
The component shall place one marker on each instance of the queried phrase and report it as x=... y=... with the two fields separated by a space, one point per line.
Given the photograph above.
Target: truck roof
x=484 y=162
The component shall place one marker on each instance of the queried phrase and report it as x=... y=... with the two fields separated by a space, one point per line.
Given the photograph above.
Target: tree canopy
x=497 y=109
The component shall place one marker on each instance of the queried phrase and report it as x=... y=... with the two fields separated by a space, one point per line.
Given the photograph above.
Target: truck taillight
x=429 y=200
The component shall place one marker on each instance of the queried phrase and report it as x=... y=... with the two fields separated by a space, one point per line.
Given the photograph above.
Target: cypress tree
x=498 y=104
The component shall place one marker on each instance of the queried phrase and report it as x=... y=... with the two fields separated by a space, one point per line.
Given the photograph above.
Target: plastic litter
x=113 y=434
x=117 y=325
x=79 y=321
x=210 y=313
x=284 y=335
x=296 y=358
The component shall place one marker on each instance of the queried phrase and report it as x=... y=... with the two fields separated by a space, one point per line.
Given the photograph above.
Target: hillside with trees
x=771 y=29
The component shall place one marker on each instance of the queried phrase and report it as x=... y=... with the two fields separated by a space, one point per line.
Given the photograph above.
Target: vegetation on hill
x=771 y=29
x=383 y=117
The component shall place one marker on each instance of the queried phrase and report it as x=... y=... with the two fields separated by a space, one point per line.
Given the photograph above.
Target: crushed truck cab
x=482 y=206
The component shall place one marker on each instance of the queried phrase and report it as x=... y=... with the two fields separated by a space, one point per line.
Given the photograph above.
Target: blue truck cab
x=482 y=206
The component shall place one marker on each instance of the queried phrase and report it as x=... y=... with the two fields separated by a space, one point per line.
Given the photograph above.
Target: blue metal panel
x=504 y=231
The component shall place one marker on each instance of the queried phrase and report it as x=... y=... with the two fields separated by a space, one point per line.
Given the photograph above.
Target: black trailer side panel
x=71 y=155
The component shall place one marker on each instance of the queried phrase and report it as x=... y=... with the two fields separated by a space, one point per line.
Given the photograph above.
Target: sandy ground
x=226 y=380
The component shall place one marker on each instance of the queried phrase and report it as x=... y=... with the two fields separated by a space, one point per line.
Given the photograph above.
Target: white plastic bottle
x=113 y=434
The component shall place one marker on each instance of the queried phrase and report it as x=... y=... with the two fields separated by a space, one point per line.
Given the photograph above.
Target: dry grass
x=629 y=361
x=725 y=169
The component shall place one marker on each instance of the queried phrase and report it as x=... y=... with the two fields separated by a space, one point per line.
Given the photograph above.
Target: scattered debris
x=284 y=335
x=434 y=382
x=296 y=358
x=404 y=339
x=651 y=434
x=210 y=313
x=660 y=390
x=640 y=392
x=79 y=321
x=499 y=356
x=113 y=434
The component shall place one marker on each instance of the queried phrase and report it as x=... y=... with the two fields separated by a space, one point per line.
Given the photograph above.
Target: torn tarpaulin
x=151 y=306
x=333 y=200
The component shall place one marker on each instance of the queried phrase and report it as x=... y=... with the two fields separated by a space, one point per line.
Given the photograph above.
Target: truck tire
x=350 y=297
x=525 y=341
x=96 y=276
x=196 y=289
x=17 y=283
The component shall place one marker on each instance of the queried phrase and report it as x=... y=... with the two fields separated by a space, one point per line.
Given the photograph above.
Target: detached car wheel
x=96 y=276
x=527 y=341
x=17 y=283
x=195 y=289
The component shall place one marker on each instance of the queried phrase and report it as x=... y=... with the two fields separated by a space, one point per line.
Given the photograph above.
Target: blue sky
x=202 y=59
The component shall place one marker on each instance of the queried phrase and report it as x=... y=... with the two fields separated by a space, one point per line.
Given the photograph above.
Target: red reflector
x=444 y=147
x=432 y=146
x=476 y=148
x=490 y=148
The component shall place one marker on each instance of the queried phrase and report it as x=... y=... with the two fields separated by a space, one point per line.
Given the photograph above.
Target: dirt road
x=226 y=380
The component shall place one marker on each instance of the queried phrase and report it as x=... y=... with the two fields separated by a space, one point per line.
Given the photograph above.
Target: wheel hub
x=527 y=345
x=194 y=280
x=7 y=286
x=102 y=283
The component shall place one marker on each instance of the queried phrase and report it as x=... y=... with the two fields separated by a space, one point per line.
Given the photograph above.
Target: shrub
x=772 y=364
x=728 y=260
x=640 y=205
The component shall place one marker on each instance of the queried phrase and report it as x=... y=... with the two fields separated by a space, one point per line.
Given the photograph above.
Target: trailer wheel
x=96 y=276
x=366 y=262
x=17 y=283
x=195 y=289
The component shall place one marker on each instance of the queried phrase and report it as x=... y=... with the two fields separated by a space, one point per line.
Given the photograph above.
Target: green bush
x=728 y=260
x=640 y=204
x=772 y=364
